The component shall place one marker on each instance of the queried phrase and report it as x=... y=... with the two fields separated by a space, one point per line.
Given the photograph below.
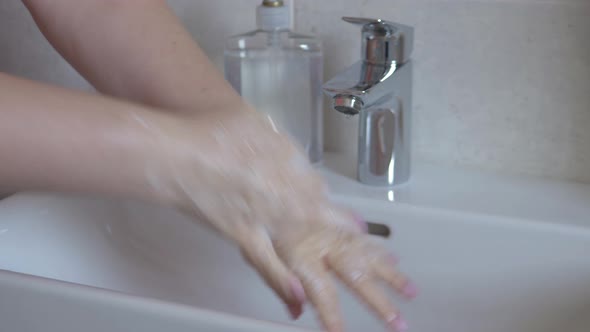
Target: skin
x=135 y=51
x=169 y=130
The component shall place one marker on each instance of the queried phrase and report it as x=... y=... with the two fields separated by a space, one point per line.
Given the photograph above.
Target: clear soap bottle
x=280 y=73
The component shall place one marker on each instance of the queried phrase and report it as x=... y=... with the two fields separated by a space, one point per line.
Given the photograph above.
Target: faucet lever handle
x=364 y=20
x=384 y=42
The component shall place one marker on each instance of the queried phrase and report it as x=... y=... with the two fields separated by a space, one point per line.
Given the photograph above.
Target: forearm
x=134 y=50
x=56 y=139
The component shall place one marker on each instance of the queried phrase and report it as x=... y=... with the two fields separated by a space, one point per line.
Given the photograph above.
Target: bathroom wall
x=502 y=85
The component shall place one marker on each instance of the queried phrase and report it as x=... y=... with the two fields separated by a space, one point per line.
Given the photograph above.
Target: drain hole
x=378 y=229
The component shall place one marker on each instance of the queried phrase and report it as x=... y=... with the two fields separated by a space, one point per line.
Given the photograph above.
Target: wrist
x=179 y=149
x=173 y=149
x=151 y=137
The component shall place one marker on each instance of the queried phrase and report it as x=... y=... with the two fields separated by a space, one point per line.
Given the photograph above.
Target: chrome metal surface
x=379 y=89
x=347 y=104
x=384 y=41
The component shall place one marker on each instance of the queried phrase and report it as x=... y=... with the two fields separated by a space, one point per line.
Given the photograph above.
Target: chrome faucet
x=379 y=89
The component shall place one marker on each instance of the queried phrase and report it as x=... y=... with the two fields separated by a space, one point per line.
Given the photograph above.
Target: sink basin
x=477 y=272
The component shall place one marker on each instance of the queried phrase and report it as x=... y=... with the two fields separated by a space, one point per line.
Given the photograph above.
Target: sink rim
x=562 y=227
x=103 y=296
x=463 y=190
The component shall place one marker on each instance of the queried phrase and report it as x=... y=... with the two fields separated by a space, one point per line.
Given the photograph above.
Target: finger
x=321 y=292
x=295 y=310
x=396 y=279
x=259 y=252
x=372 y=295
x=360 y=222
x=346 y=218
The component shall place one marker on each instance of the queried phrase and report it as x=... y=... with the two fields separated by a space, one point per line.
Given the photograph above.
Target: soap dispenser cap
x=273 y=3
x=273 y=15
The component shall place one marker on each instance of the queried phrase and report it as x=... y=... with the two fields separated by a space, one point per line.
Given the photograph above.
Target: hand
x=254 y=186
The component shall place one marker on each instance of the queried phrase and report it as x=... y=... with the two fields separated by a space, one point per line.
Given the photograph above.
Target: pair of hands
x=253 y=185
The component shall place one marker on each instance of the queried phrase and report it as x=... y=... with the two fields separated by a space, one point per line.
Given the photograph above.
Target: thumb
x=259 y=252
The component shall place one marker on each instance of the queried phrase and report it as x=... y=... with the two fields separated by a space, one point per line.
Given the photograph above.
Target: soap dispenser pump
x=280 y=73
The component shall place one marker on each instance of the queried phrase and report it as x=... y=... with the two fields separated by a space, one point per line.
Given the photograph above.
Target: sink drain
x=378 y=229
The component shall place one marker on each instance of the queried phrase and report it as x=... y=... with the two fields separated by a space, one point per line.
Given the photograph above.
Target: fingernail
x=295 y=310
x=399 y=324
x=297 y=290
x=410 y=290
x=362 y=224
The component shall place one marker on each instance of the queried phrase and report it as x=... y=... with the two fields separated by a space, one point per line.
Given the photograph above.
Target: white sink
x=477 y=272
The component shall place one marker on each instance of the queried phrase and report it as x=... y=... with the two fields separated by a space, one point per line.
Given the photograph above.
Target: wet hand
x=252 y=184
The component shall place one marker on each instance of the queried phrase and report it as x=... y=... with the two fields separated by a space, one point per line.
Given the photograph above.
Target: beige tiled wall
x=499 y=84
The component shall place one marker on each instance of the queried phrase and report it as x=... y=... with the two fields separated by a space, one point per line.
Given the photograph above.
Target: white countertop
x=472 y=191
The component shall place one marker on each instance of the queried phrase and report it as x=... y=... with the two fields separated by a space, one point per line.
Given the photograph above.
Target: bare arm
x=55 y=139
x=137 y=50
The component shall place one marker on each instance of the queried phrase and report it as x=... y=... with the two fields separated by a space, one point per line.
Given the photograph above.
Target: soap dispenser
x=280 y=73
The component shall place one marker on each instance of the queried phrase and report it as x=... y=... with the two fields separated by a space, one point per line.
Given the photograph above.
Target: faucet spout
x=379 y=89
x=347 y=104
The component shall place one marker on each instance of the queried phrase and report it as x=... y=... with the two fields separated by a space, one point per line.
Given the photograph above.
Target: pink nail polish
x=399 y=324
x=295 y=310
x=297 y=290
x=410 y=290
